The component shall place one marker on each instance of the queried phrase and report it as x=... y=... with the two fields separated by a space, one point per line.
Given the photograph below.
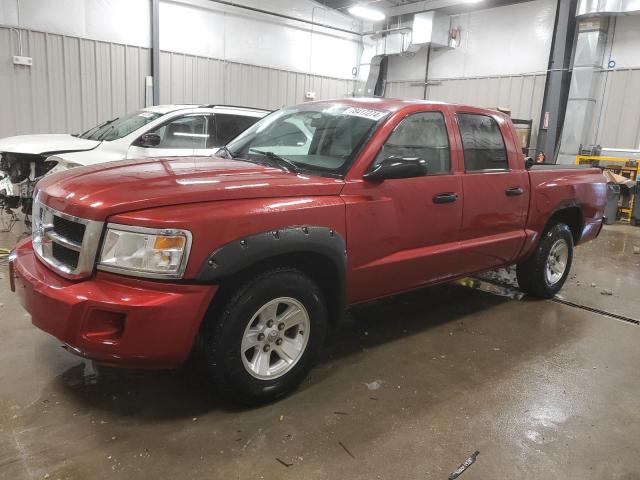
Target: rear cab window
x=482 y=143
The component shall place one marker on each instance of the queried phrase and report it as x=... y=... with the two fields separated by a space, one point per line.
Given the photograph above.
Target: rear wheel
x=263 y=341
x=544 y=273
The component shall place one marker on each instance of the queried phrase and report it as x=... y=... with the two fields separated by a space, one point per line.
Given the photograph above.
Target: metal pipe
x=426 y=72
x=19 y=29
x=287 y=17
x=386 y=30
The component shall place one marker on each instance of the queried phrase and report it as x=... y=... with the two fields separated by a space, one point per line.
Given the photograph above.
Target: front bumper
x=112 y=319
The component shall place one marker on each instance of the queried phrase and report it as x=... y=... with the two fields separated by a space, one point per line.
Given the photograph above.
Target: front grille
x=65 y=255
x=69 y=229
x=65 y=243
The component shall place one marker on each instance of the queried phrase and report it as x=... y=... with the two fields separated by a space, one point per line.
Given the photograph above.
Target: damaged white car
x=160 y=131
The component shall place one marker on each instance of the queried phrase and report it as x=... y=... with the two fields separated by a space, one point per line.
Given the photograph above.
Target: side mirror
x=149 y=140
x=397 y=167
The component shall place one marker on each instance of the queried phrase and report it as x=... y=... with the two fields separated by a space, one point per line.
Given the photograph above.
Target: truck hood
x=99 y=191
x=37 y=144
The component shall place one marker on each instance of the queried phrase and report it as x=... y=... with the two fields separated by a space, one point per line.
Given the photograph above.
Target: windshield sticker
x=364 y=113
x=146 y=114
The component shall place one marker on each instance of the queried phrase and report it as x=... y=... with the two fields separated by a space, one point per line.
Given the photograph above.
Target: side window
x=420 y=135
x=482 y=143
x=230 y=126
x=190 y=131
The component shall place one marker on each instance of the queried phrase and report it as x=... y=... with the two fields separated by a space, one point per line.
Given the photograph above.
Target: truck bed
x=556 y=187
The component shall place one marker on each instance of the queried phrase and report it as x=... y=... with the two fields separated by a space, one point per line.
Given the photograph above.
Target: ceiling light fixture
x=367 y=13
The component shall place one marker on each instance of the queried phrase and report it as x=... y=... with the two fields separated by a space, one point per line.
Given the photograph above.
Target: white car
x=160 y=131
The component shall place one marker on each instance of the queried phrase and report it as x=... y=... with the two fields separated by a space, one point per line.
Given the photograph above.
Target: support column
x=155 y=49
x=558 y=79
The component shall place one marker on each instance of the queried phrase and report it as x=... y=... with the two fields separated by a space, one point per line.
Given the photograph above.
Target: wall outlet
x=18 y=60
x=310 y=95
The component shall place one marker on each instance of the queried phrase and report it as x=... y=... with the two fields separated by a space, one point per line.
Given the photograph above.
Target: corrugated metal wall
x=522 y=94
x=619 y=125
x=617 y=117
x=75 y=83
x=191 y=79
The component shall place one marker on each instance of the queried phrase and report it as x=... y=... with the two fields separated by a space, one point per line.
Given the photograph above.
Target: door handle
x=514 y=191
x=448 y=197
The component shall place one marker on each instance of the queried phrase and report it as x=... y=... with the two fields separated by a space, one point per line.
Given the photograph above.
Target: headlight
x=145 y=252
x=59 y=165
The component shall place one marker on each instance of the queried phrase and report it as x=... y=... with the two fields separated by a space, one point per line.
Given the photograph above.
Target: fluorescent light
x=367 y=13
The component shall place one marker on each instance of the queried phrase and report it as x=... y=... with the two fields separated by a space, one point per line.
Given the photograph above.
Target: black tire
x=531 y=273
x=219 y=340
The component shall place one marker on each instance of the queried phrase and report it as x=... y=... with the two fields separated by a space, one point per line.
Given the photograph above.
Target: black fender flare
x=240 y=254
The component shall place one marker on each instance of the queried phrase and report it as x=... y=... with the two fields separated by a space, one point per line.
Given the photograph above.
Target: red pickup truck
x=245 y=259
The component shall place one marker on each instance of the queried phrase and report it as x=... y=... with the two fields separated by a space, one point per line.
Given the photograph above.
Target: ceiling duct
x=428 y=29
x=608 y=7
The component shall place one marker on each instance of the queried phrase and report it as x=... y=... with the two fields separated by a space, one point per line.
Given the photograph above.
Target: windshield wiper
x=278 y=160
x=108 y=130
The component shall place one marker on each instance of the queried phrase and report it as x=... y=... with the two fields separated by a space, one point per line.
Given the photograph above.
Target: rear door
x=228 y=126
x=496 y=192
x=402 y=233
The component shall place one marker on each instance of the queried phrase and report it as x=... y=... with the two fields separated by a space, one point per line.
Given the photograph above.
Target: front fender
x=240 y=254
x=218 y=227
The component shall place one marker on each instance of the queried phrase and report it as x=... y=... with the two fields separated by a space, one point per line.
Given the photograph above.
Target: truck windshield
x=120 y=127
x=317 y=138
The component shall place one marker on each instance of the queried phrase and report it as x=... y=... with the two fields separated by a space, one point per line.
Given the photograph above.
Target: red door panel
x=398 y=238
x=496 y=192
x=493 y=222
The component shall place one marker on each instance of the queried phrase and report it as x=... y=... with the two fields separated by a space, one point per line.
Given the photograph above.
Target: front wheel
x=263 y=341
x=544 y=273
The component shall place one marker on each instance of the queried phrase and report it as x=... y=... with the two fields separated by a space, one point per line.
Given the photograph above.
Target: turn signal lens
x=169 y=243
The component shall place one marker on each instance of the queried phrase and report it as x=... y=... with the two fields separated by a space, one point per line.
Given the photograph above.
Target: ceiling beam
x=450 y=6
x=423 y=6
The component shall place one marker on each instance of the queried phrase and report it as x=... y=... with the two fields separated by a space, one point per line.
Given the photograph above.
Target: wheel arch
x=319 y=252
x=570 y=215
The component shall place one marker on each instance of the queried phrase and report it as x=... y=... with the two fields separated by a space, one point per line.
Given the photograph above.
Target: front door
x=402 y=233
x=179 y=137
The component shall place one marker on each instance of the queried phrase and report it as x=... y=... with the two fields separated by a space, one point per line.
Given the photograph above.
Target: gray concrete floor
x=410 y=388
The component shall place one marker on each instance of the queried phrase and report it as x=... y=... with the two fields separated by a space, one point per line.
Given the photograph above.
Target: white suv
x=161 y=131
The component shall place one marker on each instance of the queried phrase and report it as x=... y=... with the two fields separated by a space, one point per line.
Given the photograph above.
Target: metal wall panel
x=520 y=93
x=73 y=82
x=619 y=110
x=404 y=90
x=191 y=79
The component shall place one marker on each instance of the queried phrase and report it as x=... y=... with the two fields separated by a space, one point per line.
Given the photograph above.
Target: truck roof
x=395 y=104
